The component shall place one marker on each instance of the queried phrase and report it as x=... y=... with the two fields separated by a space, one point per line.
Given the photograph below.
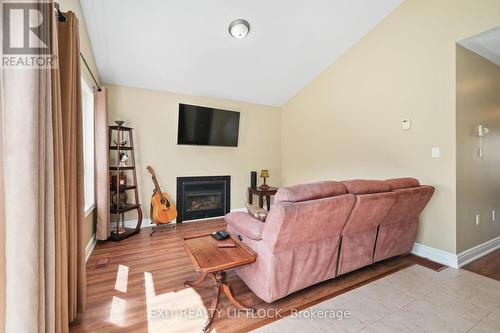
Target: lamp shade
x=264 y=173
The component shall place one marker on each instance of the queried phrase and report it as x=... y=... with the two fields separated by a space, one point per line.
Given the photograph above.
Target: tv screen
x=204 y=126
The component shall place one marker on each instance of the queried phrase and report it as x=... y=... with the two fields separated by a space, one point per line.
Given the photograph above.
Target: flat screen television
x=204 y=126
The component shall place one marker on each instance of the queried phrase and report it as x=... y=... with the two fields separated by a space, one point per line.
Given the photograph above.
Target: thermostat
x=406 y=124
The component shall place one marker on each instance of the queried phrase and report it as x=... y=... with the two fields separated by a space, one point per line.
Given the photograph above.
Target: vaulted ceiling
x=486 y=44
x=184 y=46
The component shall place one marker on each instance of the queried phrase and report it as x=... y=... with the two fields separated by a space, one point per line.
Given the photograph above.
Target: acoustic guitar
x=162 y=209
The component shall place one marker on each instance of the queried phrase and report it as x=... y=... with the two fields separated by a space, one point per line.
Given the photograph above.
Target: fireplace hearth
x=202 y=197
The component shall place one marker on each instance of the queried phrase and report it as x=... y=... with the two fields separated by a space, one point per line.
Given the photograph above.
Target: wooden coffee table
x=210 y=260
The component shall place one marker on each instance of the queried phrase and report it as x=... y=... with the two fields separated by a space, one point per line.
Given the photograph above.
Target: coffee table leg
x=221 y=285
x=220 y=277
x=213 y=308
x=227 y=290
x=196 y=281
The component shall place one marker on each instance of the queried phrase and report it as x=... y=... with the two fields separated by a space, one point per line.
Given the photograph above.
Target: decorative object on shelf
x=123 y=159
x=264 y=174
x=123 y=200
x=122 y=179
x=121 y=143
x=119 y=137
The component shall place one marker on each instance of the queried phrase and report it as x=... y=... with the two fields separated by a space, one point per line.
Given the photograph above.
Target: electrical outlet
x=478 y=220
x=493 y=215
x=435 y=152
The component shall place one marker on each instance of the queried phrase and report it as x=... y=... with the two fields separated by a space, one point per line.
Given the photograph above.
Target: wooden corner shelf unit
x=121 y=144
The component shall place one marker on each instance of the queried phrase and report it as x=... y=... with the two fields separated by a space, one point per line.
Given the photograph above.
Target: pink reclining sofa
x=316 y=232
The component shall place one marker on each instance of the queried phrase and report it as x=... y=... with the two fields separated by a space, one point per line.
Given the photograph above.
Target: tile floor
x=415 y=299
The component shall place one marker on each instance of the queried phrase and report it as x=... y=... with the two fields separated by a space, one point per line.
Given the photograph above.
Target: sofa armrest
x=242 y=223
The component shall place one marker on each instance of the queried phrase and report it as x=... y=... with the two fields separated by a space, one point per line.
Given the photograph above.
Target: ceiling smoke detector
x=239 y=28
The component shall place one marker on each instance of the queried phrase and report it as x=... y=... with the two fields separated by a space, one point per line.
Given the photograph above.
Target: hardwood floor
x=141 y=288
x=489 y=265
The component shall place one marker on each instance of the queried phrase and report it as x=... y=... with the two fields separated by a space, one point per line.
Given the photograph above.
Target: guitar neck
x=157 y=186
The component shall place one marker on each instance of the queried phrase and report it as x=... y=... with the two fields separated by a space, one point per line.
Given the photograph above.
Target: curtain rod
x=91 y=74
x=62 y=18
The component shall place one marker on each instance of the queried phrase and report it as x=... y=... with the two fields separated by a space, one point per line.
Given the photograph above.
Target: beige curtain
x=103 y=229
x=2 y=241
x=2 y=218
x=69 y=190
x=28 y=191
x=41 y=186
x=27 y=203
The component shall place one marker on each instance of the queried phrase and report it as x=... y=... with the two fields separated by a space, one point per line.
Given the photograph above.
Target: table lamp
x=264 y=174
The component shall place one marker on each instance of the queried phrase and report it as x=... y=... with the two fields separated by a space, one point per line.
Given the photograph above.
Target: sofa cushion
x=242 y=223
x=257 y=212
x=361 y=186
x=399 y=183
x=304 y=192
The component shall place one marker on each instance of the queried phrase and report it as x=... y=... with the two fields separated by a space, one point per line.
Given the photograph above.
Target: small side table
x=262 y=193
x=209 y=259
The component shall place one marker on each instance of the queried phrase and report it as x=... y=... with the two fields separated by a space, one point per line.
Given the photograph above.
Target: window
x=88 y=145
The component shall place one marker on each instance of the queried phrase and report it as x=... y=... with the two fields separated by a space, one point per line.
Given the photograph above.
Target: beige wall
x=154 y=116
x=86 y=50
x=89 y=226
x=478 y=179
x=347 y=122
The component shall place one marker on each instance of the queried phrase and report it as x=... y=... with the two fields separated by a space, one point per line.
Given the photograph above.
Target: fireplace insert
x=202 y=197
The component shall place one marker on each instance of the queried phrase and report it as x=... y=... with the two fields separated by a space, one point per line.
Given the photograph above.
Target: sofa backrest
x=305 y=192
x=397 y=231
x=306 y=213
x=411 y=199
x=400 y=183
x=373 y=200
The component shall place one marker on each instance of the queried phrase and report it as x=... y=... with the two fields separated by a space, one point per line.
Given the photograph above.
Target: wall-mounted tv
x=204 y=126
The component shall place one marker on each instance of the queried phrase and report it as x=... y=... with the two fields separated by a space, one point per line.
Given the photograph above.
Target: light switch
x=435 y=152
x=406 y=124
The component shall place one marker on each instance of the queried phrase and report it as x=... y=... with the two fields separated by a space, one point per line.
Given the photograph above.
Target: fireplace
x=202 y=197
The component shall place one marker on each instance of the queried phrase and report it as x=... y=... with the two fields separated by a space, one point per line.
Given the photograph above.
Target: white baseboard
x=478 y=251
x=440 y=256
x=454 y=260
x=90 y=247
x=132 y=224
